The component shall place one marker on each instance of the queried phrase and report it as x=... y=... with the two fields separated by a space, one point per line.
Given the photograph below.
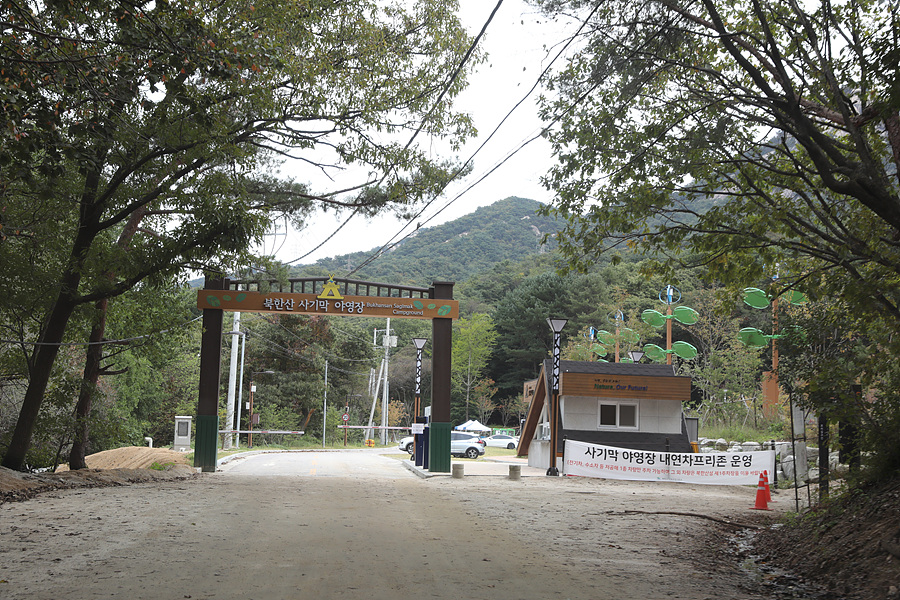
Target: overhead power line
x=449 y=81
x=102 y=342
x=417 y=217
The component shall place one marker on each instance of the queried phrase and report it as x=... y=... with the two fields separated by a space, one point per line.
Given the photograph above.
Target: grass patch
x=737 y=433
x=311 y=444
x=398 y=455
x=156 y=466
x=498 y=452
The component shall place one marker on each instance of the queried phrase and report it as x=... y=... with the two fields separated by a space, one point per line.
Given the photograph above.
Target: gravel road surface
x=360 y=525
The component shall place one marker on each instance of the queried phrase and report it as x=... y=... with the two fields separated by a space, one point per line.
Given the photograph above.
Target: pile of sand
x=133 y=457
x=121 y=466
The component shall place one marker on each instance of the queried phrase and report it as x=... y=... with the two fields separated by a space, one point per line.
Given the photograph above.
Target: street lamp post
x=420 y=344
x=325 y=405
x=250 y=416
x=556 y=326
x=419 y=443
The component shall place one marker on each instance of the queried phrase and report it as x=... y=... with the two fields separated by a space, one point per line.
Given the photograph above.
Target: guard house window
x=543 y=432
x=619 y=415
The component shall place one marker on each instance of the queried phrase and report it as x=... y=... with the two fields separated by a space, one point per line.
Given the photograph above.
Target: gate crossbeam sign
x=311 y=304
x=325 y=296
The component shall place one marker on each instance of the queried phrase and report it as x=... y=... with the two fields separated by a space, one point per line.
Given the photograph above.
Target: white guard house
x=626 y=405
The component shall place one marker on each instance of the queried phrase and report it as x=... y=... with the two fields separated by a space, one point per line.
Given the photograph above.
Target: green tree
x=483 y=399
x=178 y=388
x=827 y=350
x=160 y=122
x=525 y=340
x=295 y=348
x=725 y=371
x=512 y=407
x=749 y=138
x=580 y=346
x=473 y=343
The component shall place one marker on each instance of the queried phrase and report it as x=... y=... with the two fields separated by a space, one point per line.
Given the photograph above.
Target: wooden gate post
x=207 y=430
x=439 y=428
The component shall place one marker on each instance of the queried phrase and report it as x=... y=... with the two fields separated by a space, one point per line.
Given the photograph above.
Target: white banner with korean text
x=715 y=468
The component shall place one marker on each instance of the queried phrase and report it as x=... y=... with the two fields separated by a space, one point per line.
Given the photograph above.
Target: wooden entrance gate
x=332 y=297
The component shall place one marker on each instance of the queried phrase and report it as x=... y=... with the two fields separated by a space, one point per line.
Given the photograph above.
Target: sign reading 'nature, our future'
x=329 y=303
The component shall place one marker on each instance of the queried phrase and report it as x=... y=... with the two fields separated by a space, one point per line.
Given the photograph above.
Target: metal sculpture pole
x=669 y=325
x=417 y=406
x=556 y=325
x=683 y=314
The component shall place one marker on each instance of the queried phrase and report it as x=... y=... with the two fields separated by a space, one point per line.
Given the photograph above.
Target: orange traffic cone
x=765 y=475
x=760 y=495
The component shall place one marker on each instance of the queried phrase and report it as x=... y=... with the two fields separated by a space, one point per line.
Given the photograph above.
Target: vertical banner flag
x=715 y=468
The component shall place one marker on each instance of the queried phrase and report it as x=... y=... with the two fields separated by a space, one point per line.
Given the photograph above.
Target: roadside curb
x=419 y=471
x=232 y=457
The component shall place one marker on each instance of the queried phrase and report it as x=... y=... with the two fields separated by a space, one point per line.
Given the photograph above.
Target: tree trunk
x=48 y=348
x=88 y=386
x=94 y=358
x=54 y=330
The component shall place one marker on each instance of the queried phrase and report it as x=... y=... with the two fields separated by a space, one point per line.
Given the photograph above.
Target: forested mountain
x=508 y=230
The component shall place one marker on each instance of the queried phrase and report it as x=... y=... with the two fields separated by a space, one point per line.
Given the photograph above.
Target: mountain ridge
x=509 y=229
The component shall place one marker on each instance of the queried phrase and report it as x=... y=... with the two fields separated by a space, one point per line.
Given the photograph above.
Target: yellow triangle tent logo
x=330 y=290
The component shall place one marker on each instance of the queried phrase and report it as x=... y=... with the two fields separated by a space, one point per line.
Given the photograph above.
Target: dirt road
x=234 y=535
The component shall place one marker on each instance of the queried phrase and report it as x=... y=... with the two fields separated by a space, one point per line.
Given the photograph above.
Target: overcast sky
x=514 y=42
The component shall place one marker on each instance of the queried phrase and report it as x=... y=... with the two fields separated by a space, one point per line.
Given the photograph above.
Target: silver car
x=464 y=445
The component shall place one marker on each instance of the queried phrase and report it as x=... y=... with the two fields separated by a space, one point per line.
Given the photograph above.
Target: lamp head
x=419 y=342
x=556 y=325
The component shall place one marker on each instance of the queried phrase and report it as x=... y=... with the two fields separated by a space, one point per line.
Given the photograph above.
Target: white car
x=407 y=444
x=501 y=440
x=461 y=444
x=466 y=445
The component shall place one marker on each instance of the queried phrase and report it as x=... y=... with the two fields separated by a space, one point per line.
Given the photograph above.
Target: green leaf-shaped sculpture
x=653 y=318
x=685 y=315
x=654 y=352
x=606 y=337
x=629 y=336
x=756 y=298
x=750 y=336
x=796 y=297
x=684 y=350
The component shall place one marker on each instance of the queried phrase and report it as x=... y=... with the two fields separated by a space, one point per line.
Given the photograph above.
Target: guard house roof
x=606 y=368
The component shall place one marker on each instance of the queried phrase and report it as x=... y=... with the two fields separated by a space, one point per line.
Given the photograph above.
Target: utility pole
x=240 y=387
x=374 y=386
x=384 y=397
x=228 y=441
x=325 y=405
x=387 y=342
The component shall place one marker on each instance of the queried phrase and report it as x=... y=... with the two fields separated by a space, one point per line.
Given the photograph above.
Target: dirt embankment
x=121 y=466
x=850 y=545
